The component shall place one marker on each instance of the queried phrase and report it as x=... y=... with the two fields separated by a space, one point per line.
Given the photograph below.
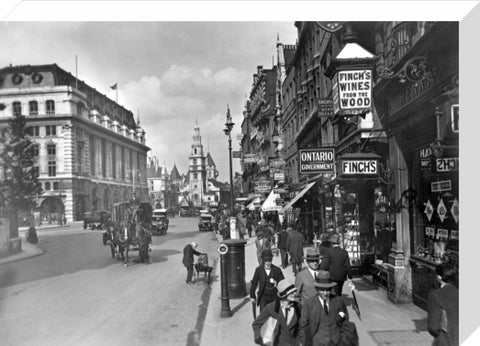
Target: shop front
x=421 y=116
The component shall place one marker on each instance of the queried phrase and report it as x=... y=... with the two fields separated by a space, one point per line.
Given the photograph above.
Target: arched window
x=33 y=108
x=195 y=175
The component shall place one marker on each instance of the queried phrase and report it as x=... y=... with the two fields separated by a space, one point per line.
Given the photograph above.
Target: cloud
x=169 y=106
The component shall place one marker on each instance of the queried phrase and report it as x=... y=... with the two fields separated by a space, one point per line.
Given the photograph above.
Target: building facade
x=90 y=150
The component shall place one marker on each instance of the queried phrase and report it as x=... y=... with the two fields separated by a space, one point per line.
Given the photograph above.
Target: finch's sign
x=352 y=92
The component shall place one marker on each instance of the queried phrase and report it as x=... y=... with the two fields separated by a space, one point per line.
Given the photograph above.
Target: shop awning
x=253 y=204
x=298 y=196
x=270 y=203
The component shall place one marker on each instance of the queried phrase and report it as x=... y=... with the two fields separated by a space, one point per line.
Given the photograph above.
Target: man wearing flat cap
x=337 y=263
x=286 y=311
x=322 y=315
x=266 y=277
x=305 y=280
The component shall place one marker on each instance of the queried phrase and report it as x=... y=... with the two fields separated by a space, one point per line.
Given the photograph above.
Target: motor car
x=205 y=222
x=160 y=221
x=95 y=219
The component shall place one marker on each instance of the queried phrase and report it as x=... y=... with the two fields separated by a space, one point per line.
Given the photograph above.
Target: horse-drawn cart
x=131 y=230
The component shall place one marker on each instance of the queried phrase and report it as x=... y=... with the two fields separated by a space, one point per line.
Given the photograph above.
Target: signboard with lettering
x=439 y=186
x=425 y=159
x=236 y=154
x=352 y=92
x=320 y=160
x=359 y=167
x=447 y=164
x=280 y=177
x=249 y=158
x=325 y=108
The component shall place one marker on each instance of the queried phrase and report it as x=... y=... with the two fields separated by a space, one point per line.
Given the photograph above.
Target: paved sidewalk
x=383 y=323
x=30 y=250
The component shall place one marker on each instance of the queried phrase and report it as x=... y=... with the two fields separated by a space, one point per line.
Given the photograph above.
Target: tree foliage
x=19 y=184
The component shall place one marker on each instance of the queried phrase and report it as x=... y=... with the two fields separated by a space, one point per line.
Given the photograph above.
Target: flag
x=114 y=86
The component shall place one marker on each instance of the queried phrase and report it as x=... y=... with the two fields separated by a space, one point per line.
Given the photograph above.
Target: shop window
x=51 y=130
x=17 y=108
x=52 y=168
x=33 y=108
x=50 y=107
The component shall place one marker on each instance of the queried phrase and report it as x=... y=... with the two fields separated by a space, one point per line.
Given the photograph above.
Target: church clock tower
x=197 y=173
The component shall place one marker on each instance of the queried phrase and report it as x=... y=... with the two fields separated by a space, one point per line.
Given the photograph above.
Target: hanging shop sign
x=430 y=231
x=442 y=234
x=325 y=108
x=352 y=92
x=447 y=164
x=280 y=177
x=429 y=210
x=249 y=158
x=439 y=186
x=320 y=160
x=425 y=159
x=358 y=166
x=236 y=154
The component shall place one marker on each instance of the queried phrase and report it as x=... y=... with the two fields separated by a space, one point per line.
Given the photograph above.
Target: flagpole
x=116 y=94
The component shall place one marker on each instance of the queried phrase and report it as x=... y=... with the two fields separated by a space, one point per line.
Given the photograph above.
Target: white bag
x=267 y=331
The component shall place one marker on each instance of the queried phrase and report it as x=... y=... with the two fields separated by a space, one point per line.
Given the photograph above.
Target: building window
x=17 y=108
x=36 y=171
x=35 y=149
x=52 y=168
x=33 y=107
x=55 y=185
x=195 y=151
x=194 y=161
x=33 y=131
x=50 y=107
x=195 y=176
x=51 y=149
x=51 y=130
x=47 y=186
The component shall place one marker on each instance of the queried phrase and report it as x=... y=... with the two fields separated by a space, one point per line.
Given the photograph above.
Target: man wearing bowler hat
x=266 y=277
x=305 y=280
x=337 y=263
x=322 y=315
x=295 y=242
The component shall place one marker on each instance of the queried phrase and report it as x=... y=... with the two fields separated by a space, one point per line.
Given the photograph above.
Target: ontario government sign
x=317 y=160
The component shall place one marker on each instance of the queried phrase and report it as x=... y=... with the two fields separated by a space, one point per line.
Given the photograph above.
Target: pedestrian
x=337 y=263
x=295 y=242
x=322 y=316
x=262 y=243
x=286 y=311
x=305 y=280
x=249 y=225
x=32 y=237
x=282 y=246
x=188 y=252
x=325 y=244
x=265 y=278
x=443 y=307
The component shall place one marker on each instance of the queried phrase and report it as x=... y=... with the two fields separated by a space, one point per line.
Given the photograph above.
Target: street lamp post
x=228 y=129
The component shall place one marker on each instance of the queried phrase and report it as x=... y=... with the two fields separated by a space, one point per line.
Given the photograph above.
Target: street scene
x=165 y=186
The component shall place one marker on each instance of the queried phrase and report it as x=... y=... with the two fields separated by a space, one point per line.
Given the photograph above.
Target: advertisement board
x=352 y=92
x=319 y=160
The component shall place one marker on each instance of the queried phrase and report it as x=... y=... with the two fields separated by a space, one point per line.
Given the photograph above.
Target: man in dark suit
x=337 y=263
x=188 y=252
x=266 y=277
x=282 y=245
x=322 y=315
x=295 y=242
x=443 y=308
